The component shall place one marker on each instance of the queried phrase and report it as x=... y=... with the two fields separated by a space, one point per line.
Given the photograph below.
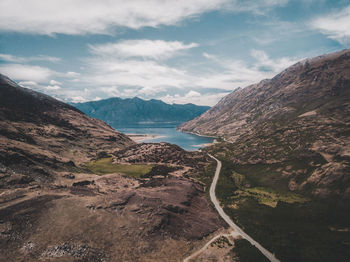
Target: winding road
x=213 y=199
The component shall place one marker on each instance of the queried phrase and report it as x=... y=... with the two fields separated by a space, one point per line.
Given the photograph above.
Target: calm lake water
x=169 y=134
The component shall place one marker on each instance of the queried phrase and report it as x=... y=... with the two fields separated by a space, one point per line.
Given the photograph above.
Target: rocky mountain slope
x=74 y=189
x=132 y=111
x=299 y=121
x=39 y=134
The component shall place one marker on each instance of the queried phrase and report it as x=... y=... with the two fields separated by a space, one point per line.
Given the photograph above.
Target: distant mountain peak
x=130 y=111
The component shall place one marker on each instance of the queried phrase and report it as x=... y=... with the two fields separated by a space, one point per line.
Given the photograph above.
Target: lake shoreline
x=196 y=134
x=187 y=141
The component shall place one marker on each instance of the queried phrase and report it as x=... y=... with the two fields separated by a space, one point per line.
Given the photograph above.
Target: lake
x=169 y=134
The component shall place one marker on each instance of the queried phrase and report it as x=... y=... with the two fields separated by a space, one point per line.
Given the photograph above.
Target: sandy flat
x=206 y=144
x=310 y=113
x=142 y=137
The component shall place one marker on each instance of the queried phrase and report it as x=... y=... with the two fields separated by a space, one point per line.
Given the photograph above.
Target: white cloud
x=192 y=94
x=336 y=26
x=148 y=91
x=72 y=74
x=273 y=66
x=102 y=17
x=90 y=16
x=78 y=99
x=54 y=82
x=28 y=83
x=111 y=91
x=137 y=65
x=27 y=72
x=157 y=49
x=257 y=7
x=54 y=87
x=146 y=77
x=134 y=73
x=22 y=59
x=39 y=87
x=237 y=73
x=194 y=98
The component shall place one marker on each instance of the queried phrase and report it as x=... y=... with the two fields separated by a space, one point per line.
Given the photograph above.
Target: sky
x=179 y=51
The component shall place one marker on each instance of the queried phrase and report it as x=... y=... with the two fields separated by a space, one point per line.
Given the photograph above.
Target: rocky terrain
x=135 y=111
x=163 y=153
x=74 y=189
x=296 y=126
x=108 y=218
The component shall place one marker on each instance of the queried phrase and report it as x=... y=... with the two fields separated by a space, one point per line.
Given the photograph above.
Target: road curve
x=213 y=199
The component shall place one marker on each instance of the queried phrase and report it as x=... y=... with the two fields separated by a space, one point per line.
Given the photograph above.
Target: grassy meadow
x=106 y=166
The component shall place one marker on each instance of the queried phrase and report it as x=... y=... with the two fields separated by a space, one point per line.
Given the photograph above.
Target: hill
x=132 y=111
x=74 y=189
x=285 y=152
x=299 y=121
x=39 y=134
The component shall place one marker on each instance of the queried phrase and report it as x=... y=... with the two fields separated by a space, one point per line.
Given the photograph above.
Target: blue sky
x=179 y=51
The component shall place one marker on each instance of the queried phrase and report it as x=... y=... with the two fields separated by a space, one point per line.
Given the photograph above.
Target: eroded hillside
x=39 y=135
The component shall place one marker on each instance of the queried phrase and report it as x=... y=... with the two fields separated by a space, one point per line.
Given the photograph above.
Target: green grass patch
x=270 y=197
x=236 y=186
x=106 y=166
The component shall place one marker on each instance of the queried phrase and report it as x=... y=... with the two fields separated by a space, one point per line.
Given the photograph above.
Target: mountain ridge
x=40 y=135
x=302 y=113
x=132 y=111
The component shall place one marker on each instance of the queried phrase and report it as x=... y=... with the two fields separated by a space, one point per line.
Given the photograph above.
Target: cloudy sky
x=179 y=51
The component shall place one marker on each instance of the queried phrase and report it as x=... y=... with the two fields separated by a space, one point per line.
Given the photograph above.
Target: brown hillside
x=302 y=115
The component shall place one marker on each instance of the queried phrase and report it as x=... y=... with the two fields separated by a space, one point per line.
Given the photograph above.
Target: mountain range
x=74 y=189
x=134 y=111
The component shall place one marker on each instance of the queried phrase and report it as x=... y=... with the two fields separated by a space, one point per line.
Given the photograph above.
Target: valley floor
x=236 y=232
x=292 y=226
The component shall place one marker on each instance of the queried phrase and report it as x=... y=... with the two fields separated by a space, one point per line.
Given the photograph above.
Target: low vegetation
x=267 y=196
x=206 y=174
x=106 y=166
x=264 y=195
x=221 y=242
x=248 y=253
x=296 y=227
